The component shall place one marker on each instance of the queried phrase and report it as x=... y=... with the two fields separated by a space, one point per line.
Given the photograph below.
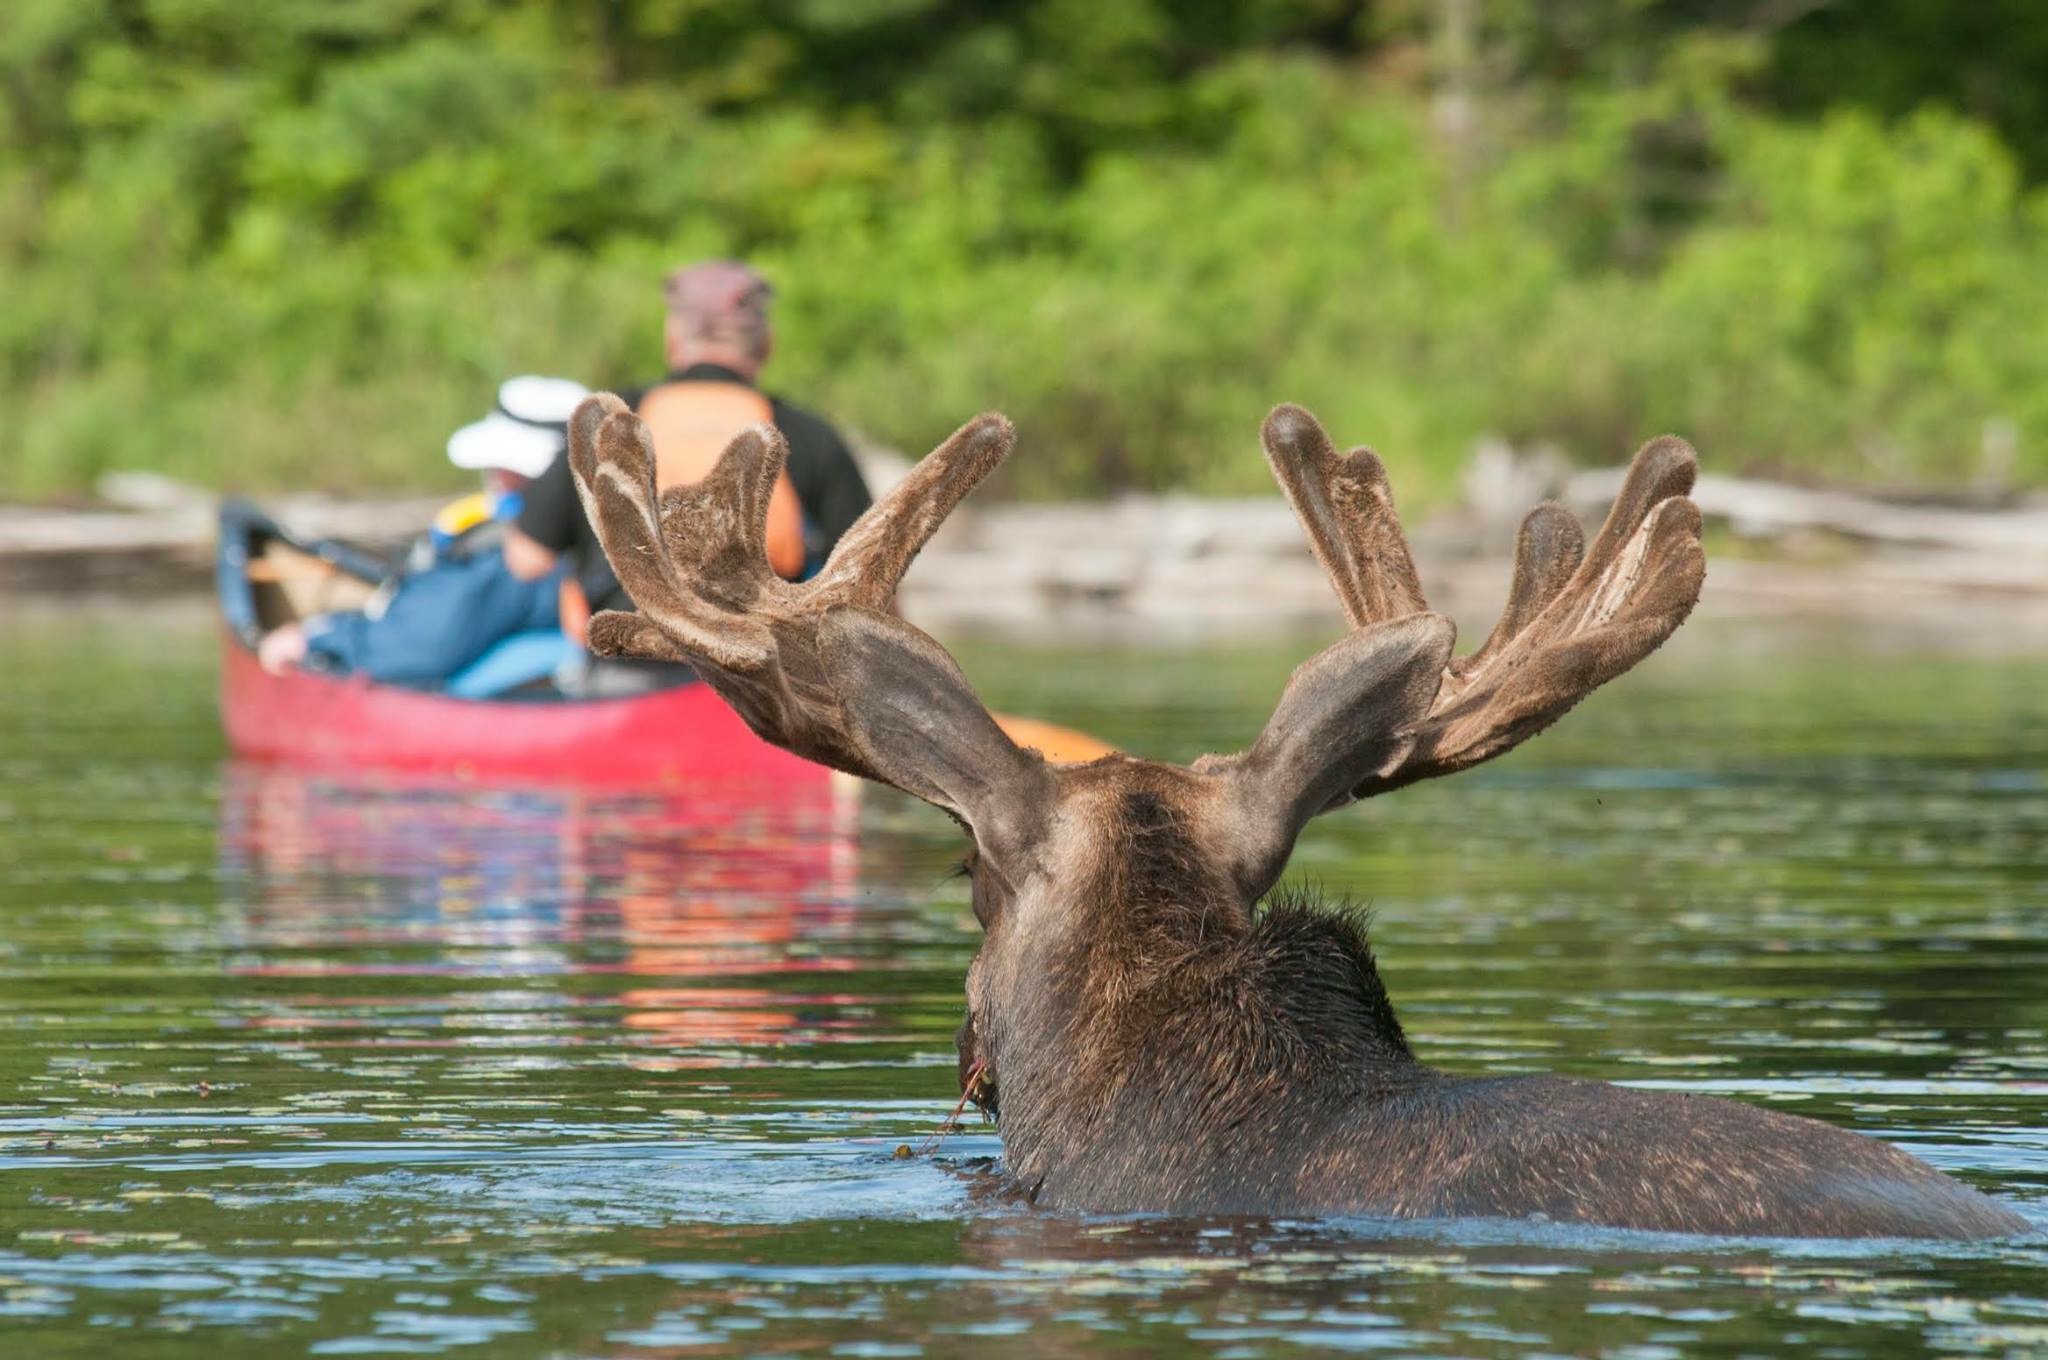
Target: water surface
x=342 y=1066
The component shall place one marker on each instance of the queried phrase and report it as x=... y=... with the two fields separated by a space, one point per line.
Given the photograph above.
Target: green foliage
x=293 y=243
x=1849 y=306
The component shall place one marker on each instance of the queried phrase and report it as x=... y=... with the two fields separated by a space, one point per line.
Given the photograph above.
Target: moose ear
x=1348 y=714
x=919 y=725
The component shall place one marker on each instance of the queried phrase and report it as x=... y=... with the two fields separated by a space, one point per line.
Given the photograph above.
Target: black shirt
x=828 y=487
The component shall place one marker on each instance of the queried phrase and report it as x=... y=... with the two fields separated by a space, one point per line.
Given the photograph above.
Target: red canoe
x=672 y=736
x=683 y=734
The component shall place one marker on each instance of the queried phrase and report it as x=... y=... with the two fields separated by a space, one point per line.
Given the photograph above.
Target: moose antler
x=823 y=670
x=785 y=656
x=1576 y=615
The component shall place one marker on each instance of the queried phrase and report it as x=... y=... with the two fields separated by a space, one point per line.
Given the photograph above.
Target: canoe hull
x=670 y=737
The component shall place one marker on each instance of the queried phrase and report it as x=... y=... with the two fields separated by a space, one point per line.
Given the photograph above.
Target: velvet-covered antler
x=1577 y=615
x=822 y=669
x=819 y=668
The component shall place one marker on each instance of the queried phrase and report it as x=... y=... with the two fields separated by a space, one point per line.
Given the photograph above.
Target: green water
x=295 y=1065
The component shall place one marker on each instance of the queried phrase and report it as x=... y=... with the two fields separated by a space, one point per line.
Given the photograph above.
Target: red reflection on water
x=384 y=877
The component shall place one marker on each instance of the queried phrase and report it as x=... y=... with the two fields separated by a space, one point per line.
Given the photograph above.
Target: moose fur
x=1155 y=1029
x=1218 y=1059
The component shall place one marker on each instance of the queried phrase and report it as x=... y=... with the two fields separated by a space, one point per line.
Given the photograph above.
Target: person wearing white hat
x=453 y=599
x=523 y=433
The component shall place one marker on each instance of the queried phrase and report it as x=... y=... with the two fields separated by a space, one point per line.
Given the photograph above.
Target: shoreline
x=1179 y=568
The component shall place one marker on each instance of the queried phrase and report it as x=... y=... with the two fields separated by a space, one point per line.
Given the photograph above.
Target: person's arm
x=785 y=530
x=546 y=527
x=526 y=559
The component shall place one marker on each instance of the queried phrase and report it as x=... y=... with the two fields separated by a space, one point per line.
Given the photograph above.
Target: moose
x=1154 y=1025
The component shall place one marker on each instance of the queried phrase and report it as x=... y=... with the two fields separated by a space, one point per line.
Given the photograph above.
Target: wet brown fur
x=1212 y=1059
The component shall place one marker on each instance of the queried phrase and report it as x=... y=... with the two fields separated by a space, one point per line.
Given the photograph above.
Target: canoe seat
x=517 y=660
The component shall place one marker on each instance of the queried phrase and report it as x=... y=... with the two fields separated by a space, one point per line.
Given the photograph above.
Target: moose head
x=1157 y=1029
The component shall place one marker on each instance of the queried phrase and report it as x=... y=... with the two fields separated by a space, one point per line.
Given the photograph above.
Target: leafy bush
x=293 y=244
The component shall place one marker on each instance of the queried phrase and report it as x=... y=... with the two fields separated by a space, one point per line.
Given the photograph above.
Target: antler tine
x=1663 y=468
x=1347 y=507
x=616 y=491
x=613 y=632
x=1548 y=549
x=870 y=560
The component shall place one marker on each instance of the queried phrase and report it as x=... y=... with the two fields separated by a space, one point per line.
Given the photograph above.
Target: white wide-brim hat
x=526 y=433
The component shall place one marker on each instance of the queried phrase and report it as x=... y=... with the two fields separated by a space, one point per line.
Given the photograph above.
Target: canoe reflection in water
x=663 y=905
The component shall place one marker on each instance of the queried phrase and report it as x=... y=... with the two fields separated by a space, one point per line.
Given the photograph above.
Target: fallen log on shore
x=1757 y=509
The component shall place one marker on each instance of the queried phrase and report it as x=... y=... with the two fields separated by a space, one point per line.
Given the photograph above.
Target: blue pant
x=438 y=621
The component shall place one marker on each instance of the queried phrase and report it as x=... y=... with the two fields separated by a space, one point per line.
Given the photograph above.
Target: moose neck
x=1170 y=1024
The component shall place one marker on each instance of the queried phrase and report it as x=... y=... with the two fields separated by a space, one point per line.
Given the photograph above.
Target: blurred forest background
x=294 y=242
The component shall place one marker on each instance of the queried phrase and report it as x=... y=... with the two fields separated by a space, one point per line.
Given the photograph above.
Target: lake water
x=302 y=1065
